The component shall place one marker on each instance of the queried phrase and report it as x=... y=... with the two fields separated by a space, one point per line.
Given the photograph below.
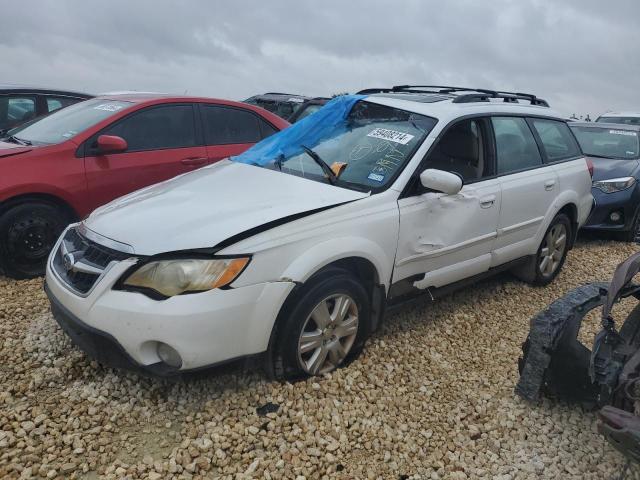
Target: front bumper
x=123 y=329
x=626 y=202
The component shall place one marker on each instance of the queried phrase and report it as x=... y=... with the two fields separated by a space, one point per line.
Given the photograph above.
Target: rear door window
x=226 y=125
x=15 y=110
x=516 y=148
x=155 y=128
x=557 y=140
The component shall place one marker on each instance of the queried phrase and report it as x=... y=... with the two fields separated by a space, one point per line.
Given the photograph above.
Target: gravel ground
x=431 y=397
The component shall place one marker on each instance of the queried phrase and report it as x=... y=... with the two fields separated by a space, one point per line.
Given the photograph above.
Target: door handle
x=488 y=201
x=549 y=184
x=194 y=161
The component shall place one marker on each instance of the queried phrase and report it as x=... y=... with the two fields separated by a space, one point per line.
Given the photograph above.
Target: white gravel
x=431 y=397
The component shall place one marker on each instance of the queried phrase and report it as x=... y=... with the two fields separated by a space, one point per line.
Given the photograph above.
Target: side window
x=15 y=110
x=461 y=150
x=55 y=103
x=516 y=149
x=168 y=126
x=557 y=140
x=223 y=125
x=267 y=129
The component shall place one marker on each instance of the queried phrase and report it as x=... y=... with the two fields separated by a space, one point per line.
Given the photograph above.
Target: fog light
x=615 y=217
x=169 y=355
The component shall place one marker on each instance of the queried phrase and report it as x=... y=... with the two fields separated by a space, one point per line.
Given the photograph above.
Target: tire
x=534 y=271
x=327 y=346
x=28 y=232
x=633 y=235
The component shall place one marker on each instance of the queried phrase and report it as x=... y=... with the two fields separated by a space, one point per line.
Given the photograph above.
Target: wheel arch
x=39 y=197
x=571 y=210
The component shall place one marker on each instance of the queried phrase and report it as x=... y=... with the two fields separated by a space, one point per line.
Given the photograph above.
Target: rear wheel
x=545 y=265
x=324 y=329
x=28 y=232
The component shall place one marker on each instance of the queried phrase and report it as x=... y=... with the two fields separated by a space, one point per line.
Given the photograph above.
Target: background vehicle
x=442 y=186
x=615 y=152
x=282 y=104
x=60 y=168
x=307 y=108
x=19 y=104
x=628 y=118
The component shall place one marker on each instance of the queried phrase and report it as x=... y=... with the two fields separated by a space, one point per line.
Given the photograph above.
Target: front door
x=161 y=143
x=450 y=237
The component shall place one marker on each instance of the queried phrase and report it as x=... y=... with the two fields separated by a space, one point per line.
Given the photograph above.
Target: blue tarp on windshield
x=325 y=123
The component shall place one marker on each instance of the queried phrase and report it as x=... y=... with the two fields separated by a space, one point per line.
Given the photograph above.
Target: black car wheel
x=28 y=232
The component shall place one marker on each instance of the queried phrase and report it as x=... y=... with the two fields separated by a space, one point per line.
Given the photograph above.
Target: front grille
x=85 y=261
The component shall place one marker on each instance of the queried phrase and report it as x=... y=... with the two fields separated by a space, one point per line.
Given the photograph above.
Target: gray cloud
x=579 y=54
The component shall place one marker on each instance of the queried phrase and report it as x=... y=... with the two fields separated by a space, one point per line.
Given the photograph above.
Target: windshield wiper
x=19 y=141
x=325 y=167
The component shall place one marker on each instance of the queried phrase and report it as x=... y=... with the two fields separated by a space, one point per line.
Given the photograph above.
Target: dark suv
x=282 y=104
x=19 y=104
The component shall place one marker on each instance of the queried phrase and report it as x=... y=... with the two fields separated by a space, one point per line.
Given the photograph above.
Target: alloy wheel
x=328 y=334
x=553 y=248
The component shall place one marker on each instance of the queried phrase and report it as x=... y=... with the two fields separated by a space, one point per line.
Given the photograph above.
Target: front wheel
x=326 y=327
x=28 y=232
x=544 y=266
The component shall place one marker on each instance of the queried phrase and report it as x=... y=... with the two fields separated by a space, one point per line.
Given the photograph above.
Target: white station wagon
x=294 y=249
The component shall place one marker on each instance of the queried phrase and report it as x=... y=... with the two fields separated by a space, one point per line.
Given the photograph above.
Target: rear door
x=230 y=131
x=163 y=141
x=529 y=188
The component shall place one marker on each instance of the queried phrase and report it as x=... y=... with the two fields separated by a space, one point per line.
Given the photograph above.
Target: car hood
x=203 y=208
x=606 y=168
x=7 y=149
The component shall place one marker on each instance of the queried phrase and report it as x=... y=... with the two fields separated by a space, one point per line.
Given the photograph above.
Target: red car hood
x=7 y=149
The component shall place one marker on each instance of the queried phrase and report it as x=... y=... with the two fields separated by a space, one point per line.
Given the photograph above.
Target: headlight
x=614 y=184
x=173 y=277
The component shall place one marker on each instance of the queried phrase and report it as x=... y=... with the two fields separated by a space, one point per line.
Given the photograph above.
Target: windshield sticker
x=624 y=132
x=376 y=177
x=108 y=107
x=296 y=100
x=69 y=134
x=391 y=135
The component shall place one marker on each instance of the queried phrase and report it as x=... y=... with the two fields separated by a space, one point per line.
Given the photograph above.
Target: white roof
x=446 y=110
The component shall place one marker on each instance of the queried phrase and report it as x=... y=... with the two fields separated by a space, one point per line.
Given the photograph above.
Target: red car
x=60 y=168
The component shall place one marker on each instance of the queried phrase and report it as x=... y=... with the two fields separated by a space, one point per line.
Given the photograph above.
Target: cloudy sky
x=581 y=55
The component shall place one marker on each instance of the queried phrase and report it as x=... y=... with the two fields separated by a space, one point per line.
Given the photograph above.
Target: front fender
x=324 y=253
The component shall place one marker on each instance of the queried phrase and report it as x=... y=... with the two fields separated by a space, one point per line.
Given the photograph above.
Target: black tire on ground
x=28 y=232
x=633 y=235
x=284 y=360
x=531 y=271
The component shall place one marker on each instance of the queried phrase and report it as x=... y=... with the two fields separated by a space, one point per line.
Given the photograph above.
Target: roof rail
x=480 y=95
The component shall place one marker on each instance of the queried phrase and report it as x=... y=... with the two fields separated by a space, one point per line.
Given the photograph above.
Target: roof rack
x=478 y=95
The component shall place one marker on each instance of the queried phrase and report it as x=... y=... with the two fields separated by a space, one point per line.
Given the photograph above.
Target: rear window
x=515 y=146
x=15 y=110
x=608 y=142
x=557 y=139
x=223 y=125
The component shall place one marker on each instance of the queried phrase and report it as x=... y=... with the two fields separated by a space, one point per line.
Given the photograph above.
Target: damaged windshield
x=364 y=144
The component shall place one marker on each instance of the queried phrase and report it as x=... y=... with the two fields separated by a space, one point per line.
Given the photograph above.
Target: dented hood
x=208 y=206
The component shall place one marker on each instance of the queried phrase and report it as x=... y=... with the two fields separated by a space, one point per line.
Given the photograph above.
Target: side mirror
x=441 y=181
x=111 y=144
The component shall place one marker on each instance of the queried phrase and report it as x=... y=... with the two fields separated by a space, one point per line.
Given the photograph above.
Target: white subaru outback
x=294 y=249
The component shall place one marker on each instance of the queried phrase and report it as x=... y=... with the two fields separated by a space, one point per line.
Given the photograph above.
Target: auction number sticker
x=108 y=107
x=391 y=135
x=624 y=132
